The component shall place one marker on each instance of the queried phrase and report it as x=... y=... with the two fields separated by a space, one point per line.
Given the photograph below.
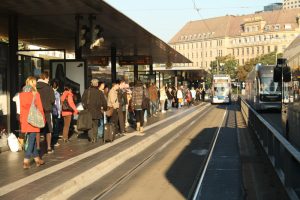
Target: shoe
x=26 y=165
x=50 y=151
x=154 y=115
x=141 y=129
x=66 y=140
x=56 y=144
x=163 y=111
x=138 y=124
x=38 y=162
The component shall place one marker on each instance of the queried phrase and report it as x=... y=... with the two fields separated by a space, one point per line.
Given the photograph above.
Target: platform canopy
x=52 y=23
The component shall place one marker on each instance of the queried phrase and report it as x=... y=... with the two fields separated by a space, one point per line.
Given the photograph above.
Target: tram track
x=179 y=137
x=149 y=158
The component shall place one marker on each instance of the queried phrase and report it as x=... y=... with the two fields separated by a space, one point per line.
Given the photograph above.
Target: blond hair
x=29 y=81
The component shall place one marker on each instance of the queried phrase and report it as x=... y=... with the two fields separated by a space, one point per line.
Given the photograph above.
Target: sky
x=164 y=18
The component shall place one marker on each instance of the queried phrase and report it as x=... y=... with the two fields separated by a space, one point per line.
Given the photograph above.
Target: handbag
x=66 y=106
x=35 y=117
x=85 y=119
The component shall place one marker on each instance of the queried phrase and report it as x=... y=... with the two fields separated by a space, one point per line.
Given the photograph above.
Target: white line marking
x=208 y=160
x=29 y=179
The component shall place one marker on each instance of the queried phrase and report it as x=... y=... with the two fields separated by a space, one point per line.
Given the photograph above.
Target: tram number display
x=135 y=60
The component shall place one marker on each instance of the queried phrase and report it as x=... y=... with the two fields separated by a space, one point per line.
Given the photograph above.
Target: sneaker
x=50 y=151
x=56 y=144
x=163 y=111
x=154 y=115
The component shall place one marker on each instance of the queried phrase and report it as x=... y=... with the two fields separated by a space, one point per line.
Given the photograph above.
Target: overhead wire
x=198 y=11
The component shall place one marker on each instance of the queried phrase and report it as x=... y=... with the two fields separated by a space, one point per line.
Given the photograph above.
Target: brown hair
x=44 y=75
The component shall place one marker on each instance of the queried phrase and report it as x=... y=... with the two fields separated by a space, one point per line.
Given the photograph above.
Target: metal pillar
x=78 y=49
x=13 y=70
x=176 y=78
x=135 y=72
x=151 y=69
x=113 y=60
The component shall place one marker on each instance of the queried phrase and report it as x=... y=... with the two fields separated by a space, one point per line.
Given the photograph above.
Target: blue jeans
x=170 y=103
x=153 y=106
x=100 y=128
x=56 y=129
x=31 y=149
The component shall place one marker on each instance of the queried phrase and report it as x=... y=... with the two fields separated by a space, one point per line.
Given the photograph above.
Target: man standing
x=113 y=102
x=48 y=99
x=92 y=100
x=153 y=99
x=122 y=98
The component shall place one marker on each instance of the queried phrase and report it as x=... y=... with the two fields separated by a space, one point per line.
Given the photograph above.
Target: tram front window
x=268 y=86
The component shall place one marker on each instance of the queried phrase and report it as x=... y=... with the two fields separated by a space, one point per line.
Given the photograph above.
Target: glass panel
x=268 y=86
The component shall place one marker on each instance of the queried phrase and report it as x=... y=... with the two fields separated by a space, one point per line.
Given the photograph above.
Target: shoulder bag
x=35 y=117
x=85 y=119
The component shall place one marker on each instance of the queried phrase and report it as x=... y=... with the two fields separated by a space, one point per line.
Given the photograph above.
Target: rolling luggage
x=109 y=132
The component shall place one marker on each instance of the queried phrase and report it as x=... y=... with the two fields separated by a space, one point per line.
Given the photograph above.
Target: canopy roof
x=52 y=24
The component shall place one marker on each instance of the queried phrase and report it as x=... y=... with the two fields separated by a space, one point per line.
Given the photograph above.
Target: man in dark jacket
x=48 y=99
x=122 y=98
x=93 y=101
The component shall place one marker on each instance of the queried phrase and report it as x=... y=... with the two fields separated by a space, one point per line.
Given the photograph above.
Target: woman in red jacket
x=26 y=98
x=67 y=114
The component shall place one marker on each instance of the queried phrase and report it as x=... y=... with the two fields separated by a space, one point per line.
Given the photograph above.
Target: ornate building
x=243 y=37
x=290 y=4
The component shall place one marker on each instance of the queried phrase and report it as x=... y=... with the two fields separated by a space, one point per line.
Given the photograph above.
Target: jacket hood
x=41 y=84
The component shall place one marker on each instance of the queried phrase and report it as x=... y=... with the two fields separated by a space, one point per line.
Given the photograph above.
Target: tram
x=221 y=89
x=262 y=93
x=290 y=113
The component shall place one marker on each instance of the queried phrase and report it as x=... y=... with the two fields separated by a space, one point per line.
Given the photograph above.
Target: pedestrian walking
x=27 y=97
x=48 y=99
x=67 y=99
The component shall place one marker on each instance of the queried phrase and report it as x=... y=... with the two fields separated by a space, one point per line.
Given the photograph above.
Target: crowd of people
x=129 y=105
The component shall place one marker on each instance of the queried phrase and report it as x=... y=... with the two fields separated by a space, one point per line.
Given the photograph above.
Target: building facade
x=290 y=4
x=273 y=6
x=243 y=37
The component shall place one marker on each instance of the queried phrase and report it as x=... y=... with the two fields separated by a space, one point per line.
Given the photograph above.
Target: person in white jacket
x=163 y=97
x=179 y=97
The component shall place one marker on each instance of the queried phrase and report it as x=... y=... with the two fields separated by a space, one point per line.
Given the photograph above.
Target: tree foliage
x=224 y=65
x=266 y=59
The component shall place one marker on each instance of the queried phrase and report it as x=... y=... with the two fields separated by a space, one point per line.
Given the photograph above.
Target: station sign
x=98 y=60
x=135 y=60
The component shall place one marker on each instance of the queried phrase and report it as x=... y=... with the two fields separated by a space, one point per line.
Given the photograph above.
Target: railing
x=284 y=157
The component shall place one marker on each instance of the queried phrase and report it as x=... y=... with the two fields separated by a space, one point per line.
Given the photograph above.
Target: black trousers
x=139 y=116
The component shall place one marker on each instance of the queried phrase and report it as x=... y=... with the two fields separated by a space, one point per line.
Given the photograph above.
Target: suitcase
x=109 y=132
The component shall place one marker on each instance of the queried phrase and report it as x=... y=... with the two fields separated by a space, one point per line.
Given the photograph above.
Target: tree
x=266 y=59
x=224 y=65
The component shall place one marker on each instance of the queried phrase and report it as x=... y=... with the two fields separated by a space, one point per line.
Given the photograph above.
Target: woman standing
x=67 y=114
x=137 y=100
x=27 y=97
x=162 y=97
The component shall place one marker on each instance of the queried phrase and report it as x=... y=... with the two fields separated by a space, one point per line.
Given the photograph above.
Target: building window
x=275 y=48
x=247 y=51
x=269 y=49
x=252 y=50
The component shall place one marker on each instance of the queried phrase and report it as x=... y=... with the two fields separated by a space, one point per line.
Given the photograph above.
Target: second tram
x=262 y=93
